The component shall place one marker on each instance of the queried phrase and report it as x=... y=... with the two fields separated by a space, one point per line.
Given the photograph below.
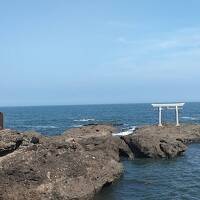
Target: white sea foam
x=189 y=118
x=77 y=126
x=84 y=120
x=39 y=127
x=123 y=133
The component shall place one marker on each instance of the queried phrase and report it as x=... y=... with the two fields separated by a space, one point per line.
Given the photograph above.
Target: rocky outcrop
x=93 y=135
x=162 y=142
x=73 y=166
x=11 y=140
x=77 y=164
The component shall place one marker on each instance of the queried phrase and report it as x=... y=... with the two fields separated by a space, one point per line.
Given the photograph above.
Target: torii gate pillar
x=175 y=106
x=160 y=116
x=177 y=120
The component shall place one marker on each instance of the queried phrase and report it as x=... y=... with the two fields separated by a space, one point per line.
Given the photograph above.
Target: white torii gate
x=175 y=106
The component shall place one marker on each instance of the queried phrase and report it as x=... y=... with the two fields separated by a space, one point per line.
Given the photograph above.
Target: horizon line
x=93 y=104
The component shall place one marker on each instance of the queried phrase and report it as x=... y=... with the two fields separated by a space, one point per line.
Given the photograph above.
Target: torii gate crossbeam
x=175 y=106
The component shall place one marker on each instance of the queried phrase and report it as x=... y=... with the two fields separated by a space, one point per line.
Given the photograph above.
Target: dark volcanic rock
x=73 y=166
x=9 y=141
x=162 y=142
x=123 y=148
x=77 y=164
x=35 y=140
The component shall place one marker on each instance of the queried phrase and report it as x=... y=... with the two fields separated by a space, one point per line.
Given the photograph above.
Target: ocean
x=147 y=179
x=143 y=179
x=54 y=120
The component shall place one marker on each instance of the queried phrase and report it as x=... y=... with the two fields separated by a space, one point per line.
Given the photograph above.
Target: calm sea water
x=144 y=179
x=52 y=120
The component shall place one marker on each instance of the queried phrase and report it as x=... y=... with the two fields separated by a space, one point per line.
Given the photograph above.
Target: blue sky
x=86 y=52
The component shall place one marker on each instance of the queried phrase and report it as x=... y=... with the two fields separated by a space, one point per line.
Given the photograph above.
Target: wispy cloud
x=173 y=54
x=185 y=38
x=181 y=40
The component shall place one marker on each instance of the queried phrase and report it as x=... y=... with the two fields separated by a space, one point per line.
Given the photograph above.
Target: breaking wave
x=189 y=118
x=127 y=132
x=84 y=120
x=39 y=127
x=77 y=126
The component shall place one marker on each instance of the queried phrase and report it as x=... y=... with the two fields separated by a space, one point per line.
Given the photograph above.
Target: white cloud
x=176 y=54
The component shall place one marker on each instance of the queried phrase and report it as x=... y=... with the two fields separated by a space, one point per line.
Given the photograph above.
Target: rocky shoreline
x=81 y=161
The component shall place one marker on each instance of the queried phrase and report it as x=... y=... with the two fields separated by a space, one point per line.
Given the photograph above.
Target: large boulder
x=162 y=142
x=74 y=165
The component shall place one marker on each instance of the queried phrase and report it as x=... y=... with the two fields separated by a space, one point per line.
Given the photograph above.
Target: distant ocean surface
x=53 y=120
x=143 y=179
